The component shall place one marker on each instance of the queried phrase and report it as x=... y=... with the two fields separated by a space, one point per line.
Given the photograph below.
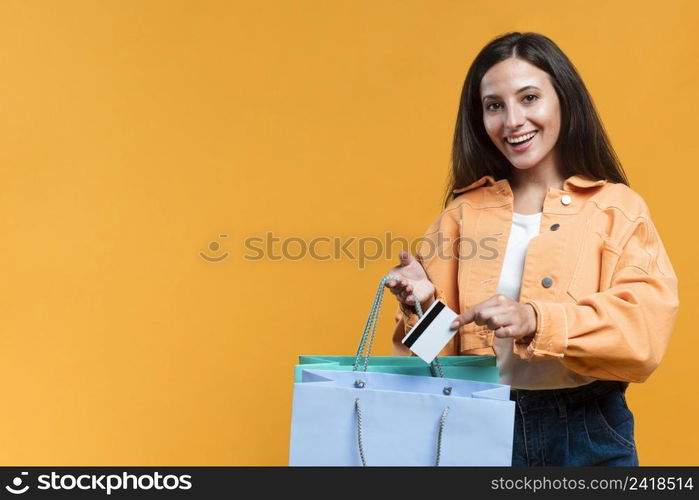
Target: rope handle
x=360 y=440
x=370 y=333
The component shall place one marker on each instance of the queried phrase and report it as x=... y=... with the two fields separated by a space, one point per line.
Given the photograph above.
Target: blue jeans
x=588 y=425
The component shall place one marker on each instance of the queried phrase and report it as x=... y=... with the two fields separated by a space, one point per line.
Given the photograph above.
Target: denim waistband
x=570 y=395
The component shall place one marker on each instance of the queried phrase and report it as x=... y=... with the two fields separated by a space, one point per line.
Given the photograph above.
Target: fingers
x=458 y=322
x=503 y=332
x=500 y=314
x=396 y=286
x=484 y=311
x=493 y=317
x=465 y=317
x=400 y=288
x=403 y=292
x=408 y=291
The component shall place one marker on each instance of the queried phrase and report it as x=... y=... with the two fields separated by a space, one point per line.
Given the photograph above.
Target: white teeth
x=520 y=139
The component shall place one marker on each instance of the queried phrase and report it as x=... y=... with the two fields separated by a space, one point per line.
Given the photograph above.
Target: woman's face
x=518 y=99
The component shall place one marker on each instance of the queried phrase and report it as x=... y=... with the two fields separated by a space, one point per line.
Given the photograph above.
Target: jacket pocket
x=610 y=258
x=585 y=279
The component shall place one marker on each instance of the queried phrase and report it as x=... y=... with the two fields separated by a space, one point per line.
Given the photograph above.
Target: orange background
x=134 y=133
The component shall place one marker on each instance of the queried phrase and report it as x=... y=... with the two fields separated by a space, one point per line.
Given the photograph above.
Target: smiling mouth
x=518 y=144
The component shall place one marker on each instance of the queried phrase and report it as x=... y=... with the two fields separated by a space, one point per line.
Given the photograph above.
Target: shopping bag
x=357 y=418
x=480 y=368
x=341 y=413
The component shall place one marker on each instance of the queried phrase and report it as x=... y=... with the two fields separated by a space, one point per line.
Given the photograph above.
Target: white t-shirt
x=514 y=371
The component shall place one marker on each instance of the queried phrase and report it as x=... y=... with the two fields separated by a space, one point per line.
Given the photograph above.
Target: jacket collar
x=577 y=181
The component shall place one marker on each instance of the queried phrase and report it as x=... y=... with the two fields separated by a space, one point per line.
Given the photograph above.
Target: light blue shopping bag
x=360 y=417
x=388 y=419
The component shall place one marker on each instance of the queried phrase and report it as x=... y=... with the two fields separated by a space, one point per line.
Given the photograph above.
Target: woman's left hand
x=503 y=315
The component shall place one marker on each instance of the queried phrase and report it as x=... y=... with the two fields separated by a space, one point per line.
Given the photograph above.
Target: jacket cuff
x=551 y=337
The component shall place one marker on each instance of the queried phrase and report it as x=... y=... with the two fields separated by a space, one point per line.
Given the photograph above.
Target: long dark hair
x=582 y=142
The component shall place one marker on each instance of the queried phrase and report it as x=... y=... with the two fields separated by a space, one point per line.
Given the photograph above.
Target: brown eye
x=492 y=104
x=531 y=95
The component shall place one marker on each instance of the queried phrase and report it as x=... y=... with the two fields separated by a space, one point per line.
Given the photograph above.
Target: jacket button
x=565 y=199
x=547 y=282
x=555 y=226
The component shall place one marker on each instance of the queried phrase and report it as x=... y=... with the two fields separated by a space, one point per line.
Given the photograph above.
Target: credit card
x=431 y=333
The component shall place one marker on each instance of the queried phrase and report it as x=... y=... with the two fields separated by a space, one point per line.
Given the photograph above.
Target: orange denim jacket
x=597 y=275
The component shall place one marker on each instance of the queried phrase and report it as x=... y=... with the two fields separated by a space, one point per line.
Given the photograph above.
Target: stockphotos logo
x=16 y=487
x=104 y=482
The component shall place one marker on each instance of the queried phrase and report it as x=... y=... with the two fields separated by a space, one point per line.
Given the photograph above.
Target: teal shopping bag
x=476 y=368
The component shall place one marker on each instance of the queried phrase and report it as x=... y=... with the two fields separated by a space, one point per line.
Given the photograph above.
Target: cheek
x=492 y=128
x=550 y=120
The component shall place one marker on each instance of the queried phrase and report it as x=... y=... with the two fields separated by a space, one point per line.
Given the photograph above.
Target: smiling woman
x=581 y=298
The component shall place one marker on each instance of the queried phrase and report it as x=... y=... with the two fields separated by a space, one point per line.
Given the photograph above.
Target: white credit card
x=431 y=333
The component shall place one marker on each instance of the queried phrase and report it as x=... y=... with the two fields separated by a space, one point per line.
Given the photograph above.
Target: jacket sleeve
x=438 y=254
x=620 y=333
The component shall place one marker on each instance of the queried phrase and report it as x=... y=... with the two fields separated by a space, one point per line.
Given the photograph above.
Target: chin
x=525 y=165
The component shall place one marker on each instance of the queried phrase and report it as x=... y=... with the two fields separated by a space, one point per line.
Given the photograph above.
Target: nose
x=515 y=118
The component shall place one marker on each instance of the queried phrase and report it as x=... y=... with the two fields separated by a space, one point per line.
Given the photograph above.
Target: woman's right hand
x=412 y=282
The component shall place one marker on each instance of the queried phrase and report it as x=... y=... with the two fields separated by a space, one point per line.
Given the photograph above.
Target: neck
x=535 y=179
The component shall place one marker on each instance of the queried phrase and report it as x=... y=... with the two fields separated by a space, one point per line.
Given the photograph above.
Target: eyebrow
x=520 y=90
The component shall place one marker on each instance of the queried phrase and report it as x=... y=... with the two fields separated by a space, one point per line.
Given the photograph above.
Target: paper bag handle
x=360 y=442
x=370 y=332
